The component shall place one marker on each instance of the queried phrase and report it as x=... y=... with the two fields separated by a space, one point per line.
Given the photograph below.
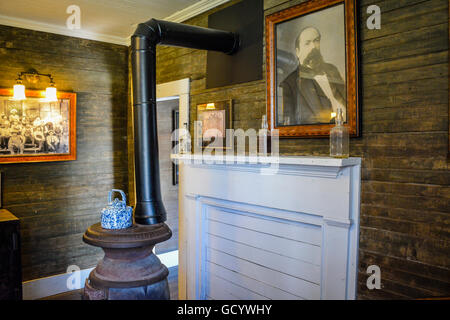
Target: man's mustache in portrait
x=314 y=60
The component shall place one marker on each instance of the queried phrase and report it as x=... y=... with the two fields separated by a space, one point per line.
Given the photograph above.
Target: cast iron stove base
x=129 y=270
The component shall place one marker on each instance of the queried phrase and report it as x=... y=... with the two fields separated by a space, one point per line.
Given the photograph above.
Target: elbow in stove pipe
x=149 y=207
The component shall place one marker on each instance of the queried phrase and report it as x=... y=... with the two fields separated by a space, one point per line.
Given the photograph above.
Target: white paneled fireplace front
x=263 y=228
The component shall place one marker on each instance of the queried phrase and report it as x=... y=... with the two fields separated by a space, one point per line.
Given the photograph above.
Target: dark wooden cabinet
x=10 y=264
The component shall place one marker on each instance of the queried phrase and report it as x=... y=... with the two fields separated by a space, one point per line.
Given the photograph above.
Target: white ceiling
x=105 y=20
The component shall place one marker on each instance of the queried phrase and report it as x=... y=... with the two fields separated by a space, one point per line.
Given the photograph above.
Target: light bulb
x=210 y=106
x=19 y=92
x=50 y=94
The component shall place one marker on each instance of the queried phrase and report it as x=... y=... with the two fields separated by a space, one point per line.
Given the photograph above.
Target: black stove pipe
x=149 y=207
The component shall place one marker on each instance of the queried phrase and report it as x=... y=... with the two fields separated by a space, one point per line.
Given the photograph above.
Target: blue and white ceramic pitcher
x=117 y=215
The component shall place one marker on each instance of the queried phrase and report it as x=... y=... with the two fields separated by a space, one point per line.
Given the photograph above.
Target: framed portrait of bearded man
x=312 y=68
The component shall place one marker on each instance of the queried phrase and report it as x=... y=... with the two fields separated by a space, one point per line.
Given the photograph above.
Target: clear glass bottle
x=264 y=137
x=339 y=138
x=185 y=141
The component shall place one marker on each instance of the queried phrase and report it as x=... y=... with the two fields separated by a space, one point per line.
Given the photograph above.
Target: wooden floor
x=76 y=294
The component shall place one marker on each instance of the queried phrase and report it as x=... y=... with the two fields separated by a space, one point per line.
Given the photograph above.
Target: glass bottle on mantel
x=339 y=138
x=264 y=138
x=188 y=146
x=185 y=141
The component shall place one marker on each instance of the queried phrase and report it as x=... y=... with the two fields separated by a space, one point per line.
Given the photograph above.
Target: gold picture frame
x=33 y=145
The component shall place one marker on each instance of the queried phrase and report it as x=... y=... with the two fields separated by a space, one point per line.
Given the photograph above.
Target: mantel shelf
x=284 y=160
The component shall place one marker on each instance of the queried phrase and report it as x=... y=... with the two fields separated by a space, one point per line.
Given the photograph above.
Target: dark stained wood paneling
x=10 y=263
x=57 y=201
x=405 y=191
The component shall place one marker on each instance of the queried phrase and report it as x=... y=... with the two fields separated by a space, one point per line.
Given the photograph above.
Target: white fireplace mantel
x=268 y=227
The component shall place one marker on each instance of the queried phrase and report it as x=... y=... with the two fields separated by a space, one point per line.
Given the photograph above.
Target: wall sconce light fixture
x=33 y=76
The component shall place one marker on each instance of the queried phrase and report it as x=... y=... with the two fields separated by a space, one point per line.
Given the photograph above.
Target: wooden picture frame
x=222 y=112
x=312 y=68
x=33 y=121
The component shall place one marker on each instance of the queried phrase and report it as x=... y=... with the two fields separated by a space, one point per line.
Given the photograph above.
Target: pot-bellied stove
x=129 y=269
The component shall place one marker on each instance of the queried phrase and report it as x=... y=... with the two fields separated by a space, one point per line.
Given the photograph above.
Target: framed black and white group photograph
x=36 y=130
x=312 y=68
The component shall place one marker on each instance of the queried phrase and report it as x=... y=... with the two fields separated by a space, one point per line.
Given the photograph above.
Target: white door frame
x=178 y=89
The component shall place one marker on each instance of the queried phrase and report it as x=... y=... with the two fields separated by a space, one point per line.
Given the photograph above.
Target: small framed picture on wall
x=213 y=119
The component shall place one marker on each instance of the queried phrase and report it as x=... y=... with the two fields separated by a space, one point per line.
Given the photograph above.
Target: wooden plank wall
x=57 y=201
x=405 y=190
